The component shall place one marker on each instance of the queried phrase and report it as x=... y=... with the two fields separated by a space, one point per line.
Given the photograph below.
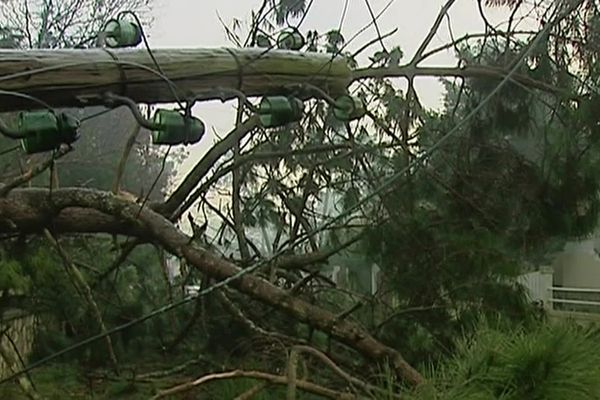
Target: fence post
x=546 y=282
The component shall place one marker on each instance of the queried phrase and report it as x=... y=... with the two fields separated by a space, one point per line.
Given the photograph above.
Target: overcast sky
x=195 y=23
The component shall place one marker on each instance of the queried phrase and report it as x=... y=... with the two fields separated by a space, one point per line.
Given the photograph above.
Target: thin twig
x=376 y=25
x=123 y=161
x=274 y=379
x=418 y=56
x=372 y=42
x=79 y=281
x=253 y=391
x=33 y=172
x=239 y=314
x=236 y=196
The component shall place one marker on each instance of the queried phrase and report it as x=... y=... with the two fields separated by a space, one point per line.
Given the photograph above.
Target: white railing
x=586 y=300
x=558 y=300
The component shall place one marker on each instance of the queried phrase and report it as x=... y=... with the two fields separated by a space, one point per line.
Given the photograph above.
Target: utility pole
x=79 y=77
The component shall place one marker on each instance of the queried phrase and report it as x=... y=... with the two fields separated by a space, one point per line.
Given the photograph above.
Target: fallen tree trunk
x=76 y=78
x=54 y=212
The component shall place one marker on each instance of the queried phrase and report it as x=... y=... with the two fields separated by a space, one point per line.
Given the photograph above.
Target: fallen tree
x=72 y=210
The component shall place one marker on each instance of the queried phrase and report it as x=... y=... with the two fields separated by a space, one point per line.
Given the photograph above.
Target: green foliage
x=285 y=9
x=386 y=58
x=469 y=273
x=549 y=362
x=9 y=38
x=11 y=276
x=55 y=383
x=514 y=181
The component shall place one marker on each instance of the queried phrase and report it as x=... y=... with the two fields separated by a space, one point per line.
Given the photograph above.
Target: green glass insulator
x=348 y=108
x=263 y=41
x=290 y=39
x=45 y=131
x=120 y=33
x=175 y=128
x=279 y=110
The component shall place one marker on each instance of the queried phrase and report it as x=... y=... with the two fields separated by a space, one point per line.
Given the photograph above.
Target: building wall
x=578 y=266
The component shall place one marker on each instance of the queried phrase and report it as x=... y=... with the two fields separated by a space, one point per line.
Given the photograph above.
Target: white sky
x=195 y=23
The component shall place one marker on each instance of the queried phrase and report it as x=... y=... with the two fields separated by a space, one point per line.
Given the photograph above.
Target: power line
x=172 y=86
x=10 y=150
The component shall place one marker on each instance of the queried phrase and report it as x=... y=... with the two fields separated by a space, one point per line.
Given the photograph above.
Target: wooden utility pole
x=76 y=77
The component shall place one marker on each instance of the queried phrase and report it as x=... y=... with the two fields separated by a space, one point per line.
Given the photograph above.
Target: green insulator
x=174 y=128
x=348 y=108
x=280 y=110
x=262 y=41
x=120 y=33
x=290 y=39
x=45 y=131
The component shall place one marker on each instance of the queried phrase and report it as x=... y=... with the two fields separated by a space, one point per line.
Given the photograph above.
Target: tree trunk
x=22 y=206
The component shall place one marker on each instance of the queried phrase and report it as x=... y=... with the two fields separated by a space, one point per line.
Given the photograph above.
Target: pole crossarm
x=78 y=77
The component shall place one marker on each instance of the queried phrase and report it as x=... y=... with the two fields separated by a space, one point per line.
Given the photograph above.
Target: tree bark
x=36 y=205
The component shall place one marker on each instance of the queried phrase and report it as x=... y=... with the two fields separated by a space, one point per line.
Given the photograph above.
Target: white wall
x=578 y=265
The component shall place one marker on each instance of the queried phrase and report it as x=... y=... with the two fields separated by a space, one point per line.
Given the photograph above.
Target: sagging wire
x=9 y=150
x=172 y=87
x=31 y=72
x=26 y=97
x=113 y=101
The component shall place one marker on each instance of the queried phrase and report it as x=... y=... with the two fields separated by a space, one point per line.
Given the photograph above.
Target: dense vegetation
x=452 y=205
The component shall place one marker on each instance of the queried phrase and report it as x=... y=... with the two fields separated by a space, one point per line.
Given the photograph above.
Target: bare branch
x=418 y=57
x=239 y=314
x=33 y=172
x=123 y=161
x=488 y=72
x=274 y=379
x=204 y=165
x=250 y=157
x=236 y=196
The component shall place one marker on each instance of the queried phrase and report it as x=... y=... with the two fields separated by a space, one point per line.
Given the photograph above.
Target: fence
x=581 y=304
